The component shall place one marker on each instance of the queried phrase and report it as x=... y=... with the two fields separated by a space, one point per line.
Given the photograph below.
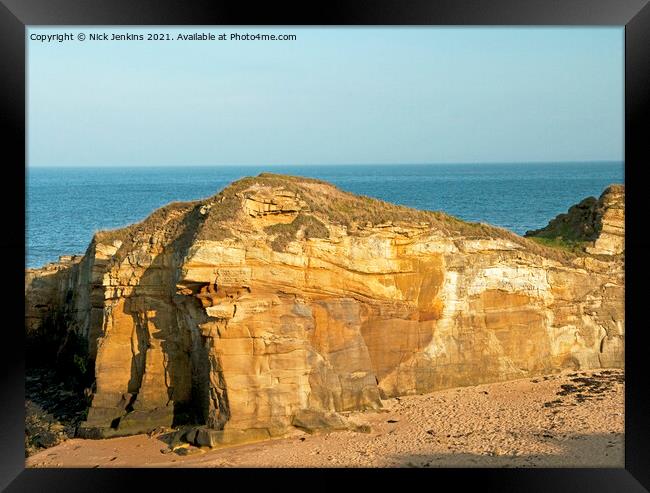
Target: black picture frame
x=15 y=15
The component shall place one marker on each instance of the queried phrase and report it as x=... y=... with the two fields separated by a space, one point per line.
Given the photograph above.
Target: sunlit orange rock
x=282 y=295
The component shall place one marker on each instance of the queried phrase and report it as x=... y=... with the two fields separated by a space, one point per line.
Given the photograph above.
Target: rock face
x=611 y=222
x=282 y=297
x=600 y=223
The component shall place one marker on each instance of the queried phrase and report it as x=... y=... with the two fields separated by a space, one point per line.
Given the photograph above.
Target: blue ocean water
x=65 y=206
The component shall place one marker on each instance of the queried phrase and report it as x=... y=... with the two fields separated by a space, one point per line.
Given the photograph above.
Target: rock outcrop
x=597 y=223
x=283 y=297
x=611 y=222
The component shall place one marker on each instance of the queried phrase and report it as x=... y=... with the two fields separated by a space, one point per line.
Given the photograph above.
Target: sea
x=65 y=206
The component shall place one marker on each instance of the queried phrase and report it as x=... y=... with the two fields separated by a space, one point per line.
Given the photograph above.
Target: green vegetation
x=578 y=225
x=577 y=247
x=572 y=231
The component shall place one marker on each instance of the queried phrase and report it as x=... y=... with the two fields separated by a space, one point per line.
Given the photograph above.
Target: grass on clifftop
x=577 y=247
x=335 y=205
x=325 y=202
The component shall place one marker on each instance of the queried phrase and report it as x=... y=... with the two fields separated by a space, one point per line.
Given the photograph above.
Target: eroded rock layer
x=283 y=295
x=599 y=223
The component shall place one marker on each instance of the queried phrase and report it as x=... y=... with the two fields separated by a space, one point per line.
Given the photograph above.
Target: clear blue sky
x=333 y=96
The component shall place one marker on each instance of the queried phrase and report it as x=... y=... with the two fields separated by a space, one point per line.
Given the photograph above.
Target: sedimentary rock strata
x=611 y=222
x=281 y=297
x=598 y=223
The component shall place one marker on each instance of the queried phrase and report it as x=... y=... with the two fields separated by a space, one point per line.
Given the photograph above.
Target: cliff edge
x=596 y=225
x=282 y=301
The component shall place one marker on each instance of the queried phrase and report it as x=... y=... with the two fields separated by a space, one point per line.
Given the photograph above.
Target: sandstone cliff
x=284 y=296
x=597 y=224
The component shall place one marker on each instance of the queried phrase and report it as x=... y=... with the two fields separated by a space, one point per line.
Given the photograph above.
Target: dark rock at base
x=188 y=451
x=131 y=424
x=93 y=433
x=42 y=429
x=53 y=409
x=190 y=435
x=206 y=437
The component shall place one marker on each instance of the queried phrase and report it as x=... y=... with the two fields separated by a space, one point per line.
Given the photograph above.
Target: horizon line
x=142 y=165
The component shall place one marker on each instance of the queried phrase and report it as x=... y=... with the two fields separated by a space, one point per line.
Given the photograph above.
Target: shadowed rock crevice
x=139 y=346
x=142 y=317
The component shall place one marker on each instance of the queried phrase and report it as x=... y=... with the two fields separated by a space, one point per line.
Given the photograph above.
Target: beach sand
x=571 y=419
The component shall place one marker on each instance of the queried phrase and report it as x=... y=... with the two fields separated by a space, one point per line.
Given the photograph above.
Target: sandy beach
x=571 y=419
